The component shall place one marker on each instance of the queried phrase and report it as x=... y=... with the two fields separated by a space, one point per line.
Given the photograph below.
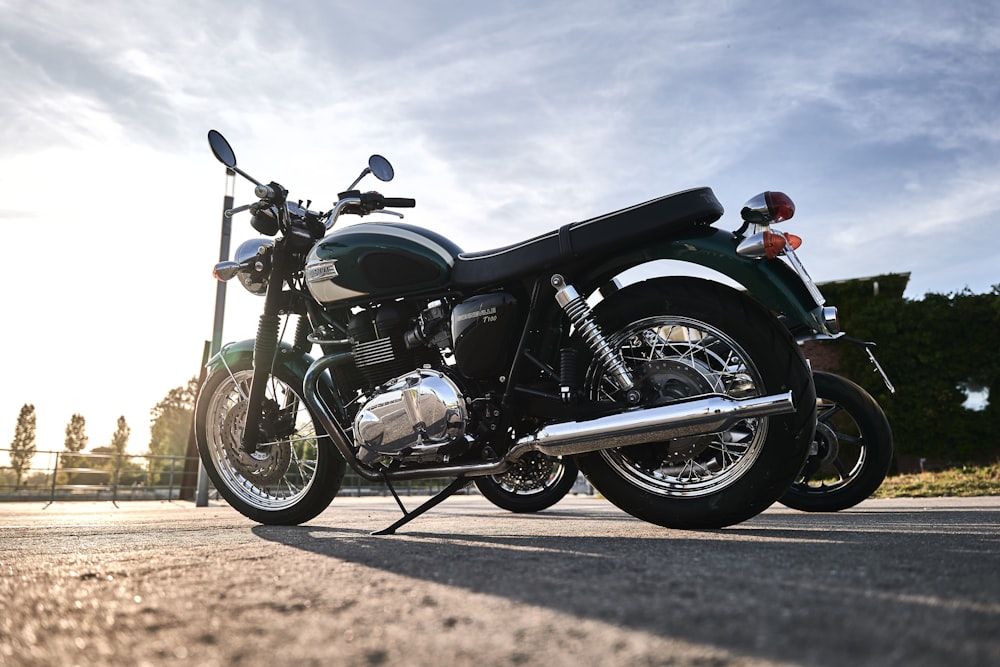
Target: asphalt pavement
x=890 y=582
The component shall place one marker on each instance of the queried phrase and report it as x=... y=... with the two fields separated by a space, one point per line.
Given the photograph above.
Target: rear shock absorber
x=568 y=374
x=580 y=315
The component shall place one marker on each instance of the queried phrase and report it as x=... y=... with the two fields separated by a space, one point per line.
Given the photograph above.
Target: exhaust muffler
x=707 y=414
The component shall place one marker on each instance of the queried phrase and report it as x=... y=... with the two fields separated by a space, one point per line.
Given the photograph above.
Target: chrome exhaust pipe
x=697 y=416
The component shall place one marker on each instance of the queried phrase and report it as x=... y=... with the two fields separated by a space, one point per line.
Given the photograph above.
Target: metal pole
x=201 y=498
x=220 y=288
x=55 y=472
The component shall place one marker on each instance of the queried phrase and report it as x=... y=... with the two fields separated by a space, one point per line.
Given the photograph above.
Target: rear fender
x=770 y=281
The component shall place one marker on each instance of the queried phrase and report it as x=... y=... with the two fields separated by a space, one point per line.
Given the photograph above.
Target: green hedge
x=930 y=348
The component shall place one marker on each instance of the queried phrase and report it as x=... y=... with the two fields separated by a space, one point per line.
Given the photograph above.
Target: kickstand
x=457 y=485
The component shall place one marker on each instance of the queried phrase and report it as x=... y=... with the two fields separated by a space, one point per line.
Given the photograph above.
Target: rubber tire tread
x=877 y=436
x=782 y=367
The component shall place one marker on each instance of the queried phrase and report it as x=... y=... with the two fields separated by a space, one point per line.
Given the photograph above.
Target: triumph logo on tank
x=322 y=271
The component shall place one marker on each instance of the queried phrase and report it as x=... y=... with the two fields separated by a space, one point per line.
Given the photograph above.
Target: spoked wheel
x=852 y=449
x=686 y=337
x=295 y=471
x=535 y=483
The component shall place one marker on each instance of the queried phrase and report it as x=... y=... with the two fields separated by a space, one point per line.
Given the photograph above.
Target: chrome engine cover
x=414 y=418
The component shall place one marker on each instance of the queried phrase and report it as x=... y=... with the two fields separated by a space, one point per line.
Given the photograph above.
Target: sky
x=504 y=120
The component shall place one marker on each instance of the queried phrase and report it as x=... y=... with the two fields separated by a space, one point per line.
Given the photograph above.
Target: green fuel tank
x=378 y=260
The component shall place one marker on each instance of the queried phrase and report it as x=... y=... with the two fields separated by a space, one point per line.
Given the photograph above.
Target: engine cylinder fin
x=373 y=352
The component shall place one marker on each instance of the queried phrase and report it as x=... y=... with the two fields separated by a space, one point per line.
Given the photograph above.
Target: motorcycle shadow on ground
x=915 y=587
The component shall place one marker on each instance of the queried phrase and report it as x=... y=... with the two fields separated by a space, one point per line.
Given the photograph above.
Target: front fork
x=264 y=349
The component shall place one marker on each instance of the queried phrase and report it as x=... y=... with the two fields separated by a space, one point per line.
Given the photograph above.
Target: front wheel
x=295 y=472
x=852 y=449
x=686 y=337
x=535 y=483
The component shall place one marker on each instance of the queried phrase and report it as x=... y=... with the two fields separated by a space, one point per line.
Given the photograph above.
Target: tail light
x=768 y=208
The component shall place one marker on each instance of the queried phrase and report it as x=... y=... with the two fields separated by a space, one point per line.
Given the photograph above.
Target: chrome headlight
x=254 y=258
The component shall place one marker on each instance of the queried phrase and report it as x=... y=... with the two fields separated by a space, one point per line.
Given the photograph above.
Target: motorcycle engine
x=420 y=416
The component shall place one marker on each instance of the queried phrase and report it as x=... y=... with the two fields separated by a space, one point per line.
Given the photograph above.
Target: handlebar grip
x=399 y=202
x=264 y=191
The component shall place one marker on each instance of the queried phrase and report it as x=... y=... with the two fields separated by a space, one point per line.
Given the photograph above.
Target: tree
x=22 y=447
x=108 y=467
x=171 y=421
x=76 y=438
x=934 y=350
x=171 y=426
x=120 y=438
x=76 y=441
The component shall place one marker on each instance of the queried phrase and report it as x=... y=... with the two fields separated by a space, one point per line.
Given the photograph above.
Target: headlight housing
x=254 y=258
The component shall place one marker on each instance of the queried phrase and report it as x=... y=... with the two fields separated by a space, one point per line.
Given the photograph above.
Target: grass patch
x=963 y=481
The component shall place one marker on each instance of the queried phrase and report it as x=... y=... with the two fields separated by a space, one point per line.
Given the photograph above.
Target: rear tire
x=683 y=337
x=854 y=449
x=296 y=471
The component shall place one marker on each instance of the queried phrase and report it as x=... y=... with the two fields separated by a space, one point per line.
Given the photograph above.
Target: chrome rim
x=283 y=468
x=673 y=358
x=533 y=473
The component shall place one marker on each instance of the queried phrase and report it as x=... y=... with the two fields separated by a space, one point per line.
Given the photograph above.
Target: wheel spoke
x=282 y=469
x=687 y=358
x=849 y=439
x=827 y=411
x=841 y=469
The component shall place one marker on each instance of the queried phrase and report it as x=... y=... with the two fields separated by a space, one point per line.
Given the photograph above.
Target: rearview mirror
x=380 y=167
x=223 y=151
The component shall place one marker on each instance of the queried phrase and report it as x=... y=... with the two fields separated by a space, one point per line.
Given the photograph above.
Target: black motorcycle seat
x=578 y=240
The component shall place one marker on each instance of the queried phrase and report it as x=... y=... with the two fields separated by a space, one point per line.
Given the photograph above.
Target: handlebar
x=358 y=203
x=230 y=212
x=373 y=201
x=363 y=203
x=399 y=202
x=254 y=208
x=265 y=192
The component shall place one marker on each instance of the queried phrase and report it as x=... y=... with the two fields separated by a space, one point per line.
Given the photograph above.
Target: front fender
x=296 y=361
x=770 y=281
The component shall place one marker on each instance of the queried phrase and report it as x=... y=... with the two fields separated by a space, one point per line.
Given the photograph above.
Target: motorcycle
x=685 y=402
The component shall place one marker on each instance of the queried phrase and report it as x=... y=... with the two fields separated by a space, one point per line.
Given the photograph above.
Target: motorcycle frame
x=771 y=282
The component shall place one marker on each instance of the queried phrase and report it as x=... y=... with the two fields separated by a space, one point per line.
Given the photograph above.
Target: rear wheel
x=685 y=337
x=295 y=472
x=853 y=449
x=535 y=483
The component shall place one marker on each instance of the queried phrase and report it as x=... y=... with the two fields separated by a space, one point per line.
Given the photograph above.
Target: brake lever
x=230 y=212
